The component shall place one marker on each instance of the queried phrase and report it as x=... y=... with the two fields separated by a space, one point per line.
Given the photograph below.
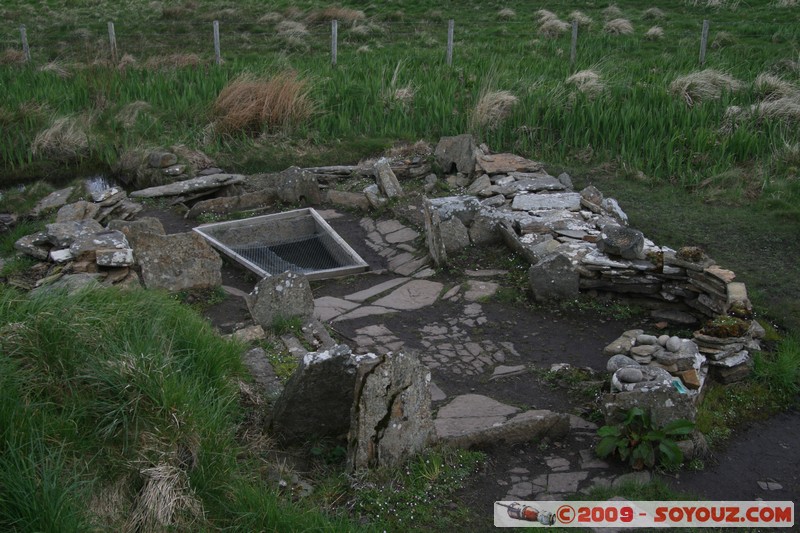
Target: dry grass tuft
x=291 y=29
x=405 y=95
x=270 y=18
x=612 y=12
x=54 y=67
x=493 y=108
x=506 y=14
x=173 y=62
x=786 y=109
x=363 y=49
x=165 y=500
x=722 y=38
x=580 y=18
x=255 y=105
x=65 y=140
x=544 y=15
x=707 y=84
x=129 y=114
x=587 y=82
x=11 y=56
x=361 y=30
x=553 y=28
x=788 y=3
x=342 y=14
x=769 y=86
x=126 y=61
x=618 y=27
x=653 y=13
x=654 y=34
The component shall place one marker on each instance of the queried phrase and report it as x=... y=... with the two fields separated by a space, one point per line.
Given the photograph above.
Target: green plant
x=640 y=443
x=282 y=325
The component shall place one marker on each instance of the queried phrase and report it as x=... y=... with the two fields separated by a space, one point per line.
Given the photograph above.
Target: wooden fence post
x=574 y=46
x=112 y=41
x=703 y=42
x=450 y=29
x=23 y=33
x=334 y=41
x=217 y=53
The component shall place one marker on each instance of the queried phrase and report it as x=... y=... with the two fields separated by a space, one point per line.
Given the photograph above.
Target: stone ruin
x=575 y=242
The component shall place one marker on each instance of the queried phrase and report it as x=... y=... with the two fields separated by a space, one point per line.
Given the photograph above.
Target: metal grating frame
x=297 y=241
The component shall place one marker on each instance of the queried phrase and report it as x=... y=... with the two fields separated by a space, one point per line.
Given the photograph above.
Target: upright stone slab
x=456 y=154
x=286 y=295
x=433 y=234
x=554 y=278
x=317 y=400
x=177 y=262
x=391 y=418
x=454 y=234
x=386 y=179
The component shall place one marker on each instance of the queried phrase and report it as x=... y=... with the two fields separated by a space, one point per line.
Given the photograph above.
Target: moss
x=726 y=326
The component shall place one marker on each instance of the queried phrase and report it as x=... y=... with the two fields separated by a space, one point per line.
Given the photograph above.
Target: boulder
x=391 y=418
x=554 y=278
x=54 y=200
x=177 y=262
x=386 y=179
x=79 y=210
x=622 y=241
x=317 y=400
x=456 y=154
x=63 y=234
x=286 y=295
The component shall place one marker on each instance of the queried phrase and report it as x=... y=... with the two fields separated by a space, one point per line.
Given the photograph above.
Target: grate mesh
x=304 y=254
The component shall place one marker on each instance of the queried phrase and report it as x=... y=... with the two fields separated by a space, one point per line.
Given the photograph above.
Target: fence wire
x=310 y=253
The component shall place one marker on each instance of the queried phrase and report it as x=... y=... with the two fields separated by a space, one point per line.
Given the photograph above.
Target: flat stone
x=61 y=256
x=437 y=394
x=415 y=294
x=506 y=163
x=770 y=485
x=557 y=464
x=386 y=227
x=361 y=312
x=535 y=202
x=328 y=307
x=249 y=334
x=347 y=199
x=578 y=423
x=503 y=371
x=403 y=235
x=479 y=184
x=54 y=200
x=77 y=211
x=479 y=290
x=409 y=267
x=107 y=239
x=63 y=234
x=590 y=460
x=202 y=183
x=565 y=483
x=177 y=262
x=485 y=273
x=375 y=290
x=36 y=245
x=114 y=257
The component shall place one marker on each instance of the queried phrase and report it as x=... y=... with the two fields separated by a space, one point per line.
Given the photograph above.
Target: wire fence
x=95 y=41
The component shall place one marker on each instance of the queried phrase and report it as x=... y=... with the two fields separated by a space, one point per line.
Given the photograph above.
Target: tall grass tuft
x=612 y=12
x=654 y=34
x=618 y=26
x=544 y=15
x=653 y=13
x=493 y=109
x=588 y=82
x=254 y=105
x=11 y=56
x=581 y=18
x=506 y=13
x=342 y=14
x=781 y=371
x=66 y=139
x=708 y=84
x=553 y=28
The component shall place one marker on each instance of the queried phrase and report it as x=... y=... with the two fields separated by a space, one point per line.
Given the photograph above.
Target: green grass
x=99 y=386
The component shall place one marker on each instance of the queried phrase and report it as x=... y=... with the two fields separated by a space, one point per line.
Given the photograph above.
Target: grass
x=118 y=409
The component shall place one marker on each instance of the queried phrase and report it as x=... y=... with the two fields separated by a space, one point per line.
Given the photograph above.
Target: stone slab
x=329 y=307
x=375 y=290
x=535 y=202
x=415 y=294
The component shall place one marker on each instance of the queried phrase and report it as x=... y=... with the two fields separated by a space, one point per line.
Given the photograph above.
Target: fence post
x=334 y=41
x=450 y=27
x=217 y=54
x=574 y=46
x=703 y=42
x=23 y=33
x=112 y=41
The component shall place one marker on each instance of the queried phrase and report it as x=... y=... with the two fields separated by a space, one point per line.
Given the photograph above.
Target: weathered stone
x=61 y=256
x=54 y=200
x=554 y=278
x=7 y=222
x=373 y=195
x=529 y=184
x=177 y=262
x=629 y=375
x=479 y=184
x=105 y=239
x=737 y=299
x=673 y=316
x=503 y=371
x=348 y=199
x=415 y=294
x=691 y=379
x=174 y=170
x=386 y=179
x=466 y=208
x=127 y=209
x=318 y=398
x=473 y=419
x=391 y=418
x=646 y=339
x=79 y=210
x=114 y=257
x=100 y=196
x=566 y=180
x=674 y=344
x=35 y=245
x=286 y=295
x=494 y=201
x=63 y=234
x=202 y=183
x=615 y=362
x=262 y=372
x=733 y=374
x=534 y=202
x=663 y=403
x=134 y=229
x=643 y=350
x=622 y=241
x=456 y=154
x=454 y=235
x=506 y=163
x=483 y=230
x=161 y=159
x=621 y=345
x=611 y=207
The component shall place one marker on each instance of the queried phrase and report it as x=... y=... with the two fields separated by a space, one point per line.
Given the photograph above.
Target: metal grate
x=297 y=241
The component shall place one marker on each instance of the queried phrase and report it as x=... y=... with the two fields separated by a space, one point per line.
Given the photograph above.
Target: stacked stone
x=729 y=357
x=575 y=241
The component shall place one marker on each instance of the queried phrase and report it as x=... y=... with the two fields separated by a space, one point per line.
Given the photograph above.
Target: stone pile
x=575 y=241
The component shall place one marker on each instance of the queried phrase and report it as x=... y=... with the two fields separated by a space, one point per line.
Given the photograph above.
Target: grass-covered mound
x=119 y=410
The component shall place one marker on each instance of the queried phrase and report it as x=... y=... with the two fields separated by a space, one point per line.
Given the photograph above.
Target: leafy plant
x=641 y=444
